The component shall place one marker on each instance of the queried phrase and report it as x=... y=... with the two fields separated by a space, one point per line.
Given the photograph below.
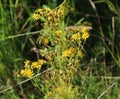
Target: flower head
x=27 y=73
x=35 y=65
x=58 y=32
x=39 y=11
x=76 y=36
x=47 y=9
x=68 y=53
x=85 y=35
x=35 y=16
x=38 y=63
x=84 y=30
x=27 y=64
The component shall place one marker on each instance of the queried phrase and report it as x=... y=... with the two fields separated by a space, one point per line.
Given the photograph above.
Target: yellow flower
x=35 y=16
x=58 y=32
x=27 y=73
x=76 y=36
x=39 y=11
x=38 y=63
x=27 y=64
x=68 y=53
x=47 y=9
x=84 y=30
x=50 y=18
x=35 y=65
x=85 y=35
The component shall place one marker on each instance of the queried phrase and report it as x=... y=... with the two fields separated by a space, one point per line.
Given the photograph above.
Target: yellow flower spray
x=61 y=48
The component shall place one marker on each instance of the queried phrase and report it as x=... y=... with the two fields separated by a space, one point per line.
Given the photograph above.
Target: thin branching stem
x=22 y=82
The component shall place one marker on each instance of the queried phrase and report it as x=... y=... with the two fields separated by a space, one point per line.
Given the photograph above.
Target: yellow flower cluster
x=41 y=13
x=69 y=52
x=85 y=33
x=58 y=32
x=82 y=34
x=27 y=64
x=38 y=64
x=72 y=51
x=76 y=36
x=48 y=15
x=29 y=68
x=35 y=16
x=27 y=73
x=84 y=29
x=55 y=17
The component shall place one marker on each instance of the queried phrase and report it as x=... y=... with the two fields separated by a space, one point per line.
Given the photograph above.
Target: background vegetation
x=98 y=76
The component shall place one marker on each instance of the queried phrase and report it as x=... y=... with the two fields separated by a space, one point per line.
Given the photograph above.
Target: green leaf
x=111 y=6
